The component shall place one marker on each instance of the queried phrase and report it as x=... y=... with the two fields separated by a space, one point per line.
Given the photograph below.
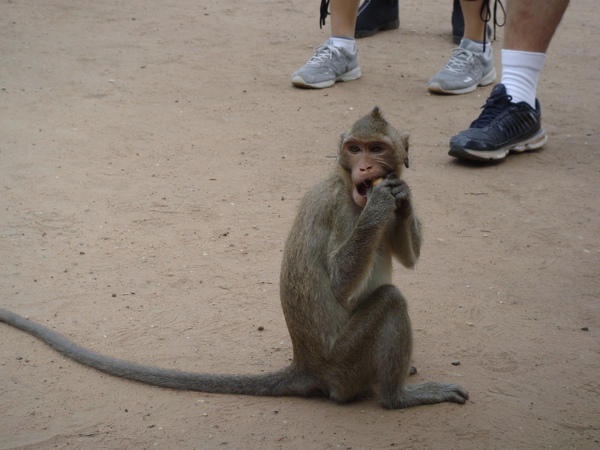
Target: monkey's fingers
x=391 y=181
x=401 y=190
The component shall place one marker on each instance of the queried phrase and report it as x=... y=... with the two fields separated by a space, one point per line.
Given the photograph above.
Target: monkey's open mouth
x=363 y=187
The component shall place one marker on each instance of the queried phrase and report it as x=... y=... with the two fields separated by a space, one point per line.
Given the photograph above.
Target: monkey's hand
x=403 y=198
x=381 y=197
x=398 y=189
x=406 y=243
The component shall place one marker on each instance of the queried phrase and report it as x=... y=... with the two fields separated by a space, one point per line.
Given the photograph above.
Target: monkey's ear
x=405 y=143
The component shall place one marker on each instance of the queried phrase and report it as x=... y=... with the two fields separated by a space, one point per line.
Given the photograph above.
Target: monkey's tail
x=287 y=381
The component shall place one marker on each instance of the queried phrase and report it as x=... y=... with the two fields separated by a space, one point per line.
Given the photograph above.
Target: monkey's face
x=367 y=162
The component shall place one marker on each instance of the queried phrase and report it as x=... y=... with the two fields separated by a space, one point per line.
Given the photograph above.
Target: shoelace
x=486 y=15
x=323 y=53
x=493 y=106
x=461 y=59
x=323 y=12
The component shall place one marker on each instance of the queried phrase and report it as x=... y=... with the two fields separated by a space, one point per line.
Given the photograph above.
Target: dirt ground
x=152 y=156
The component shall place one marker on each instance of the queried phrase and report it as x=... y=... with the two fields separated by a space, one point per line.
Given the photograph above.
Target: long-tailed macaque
x=349 y=325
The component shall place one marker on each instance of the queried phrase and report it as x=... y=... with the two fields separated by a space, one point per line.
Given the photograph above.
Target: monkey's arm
x=406 y=230
x=355 y=240
x=406 y=242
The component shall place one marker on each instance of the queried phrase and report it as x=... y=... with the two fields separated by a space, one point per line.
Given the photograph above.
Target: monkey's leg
x=393 y=349
x=376 y=346
x=371 y=335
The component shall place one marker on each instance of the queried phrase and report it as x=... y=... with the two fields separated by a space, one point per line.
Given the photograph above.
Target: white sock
x=520 y=74
x=477 y=47
x=343 y=42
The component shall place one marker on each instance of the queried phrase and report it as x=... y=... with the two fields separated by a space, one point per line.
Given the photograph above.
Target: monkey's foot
x=425 y=394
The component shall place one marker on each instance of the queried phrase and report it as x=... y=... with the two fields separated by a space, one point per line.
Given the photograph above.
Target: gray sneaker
x=328 y=65
x=467 y=69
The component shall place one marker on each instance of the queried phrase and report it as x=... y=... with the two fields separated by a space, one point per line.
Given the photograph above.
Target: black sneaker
x=376 y=15
x=503 y=126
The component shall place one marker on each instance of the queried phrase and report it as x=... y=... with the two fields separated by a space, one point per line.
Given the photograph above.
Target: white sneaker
x=328 y=65
x=468 y=68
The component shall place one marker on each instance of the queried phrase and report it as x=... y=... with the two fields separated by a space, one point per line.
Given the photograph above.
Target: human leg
x=511 y=117
x=472 y=63
x=524 y=51
x=530 y=24
x=343 y=17
x=337 y=59
x=474 y=24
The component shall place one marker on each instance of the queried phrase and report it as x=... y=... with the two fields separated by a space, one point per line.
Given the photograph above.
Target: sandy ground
x=152 y=156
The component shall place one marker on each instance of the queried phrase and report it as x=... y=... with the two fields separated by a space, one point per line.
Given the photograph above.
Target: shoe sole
x=488 y=79
x=394 y=24
x=533 y=143
x=348 y=76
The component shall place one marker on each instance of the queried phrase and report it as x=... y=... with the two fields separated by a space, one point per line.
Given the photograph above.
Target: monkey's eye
x=376 y=149
x=354 y=149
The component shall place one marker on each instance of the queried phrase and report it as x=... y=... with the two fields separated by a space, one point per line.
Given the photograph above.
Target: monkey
x=349 y=326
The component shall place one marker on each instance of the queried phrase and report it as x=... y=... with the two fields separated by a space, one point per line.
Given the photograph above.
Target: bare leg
x=530 y=24
x=343 y=17
x=474 y=25
x=524 y=52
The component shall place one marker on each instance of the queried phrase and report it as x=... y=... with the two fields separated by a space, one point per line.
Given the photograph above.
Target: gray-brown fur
x=349 y=325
